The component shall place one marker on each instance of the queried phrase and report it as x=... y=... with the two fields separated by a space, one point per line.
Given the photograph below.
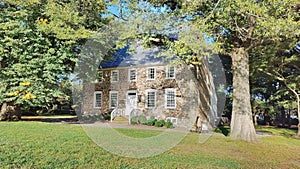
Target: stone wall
x=181 y=84
x=193 y=93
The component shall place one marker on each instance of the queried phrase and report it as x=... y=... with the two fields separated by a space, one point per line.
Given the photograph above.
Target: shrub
x=151 y=121
x=134 y=120
x=159 y=123
x=107 y=116
x=142 y=119
x=169 y=124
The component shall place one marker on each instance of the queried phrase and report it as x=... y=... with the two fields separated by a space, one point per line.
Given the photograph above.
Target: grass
x=52 y=145
x=47 y=117
x=139 y=133
x=277 y=131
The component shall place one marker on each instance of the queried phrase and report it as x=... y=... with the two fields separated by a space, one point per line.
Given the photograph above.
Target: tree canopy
x=243 y=30
x=38 y=45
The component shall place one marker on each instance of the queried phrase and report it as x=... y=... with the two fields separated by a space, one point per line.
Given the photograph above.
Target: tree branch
x=118 y=16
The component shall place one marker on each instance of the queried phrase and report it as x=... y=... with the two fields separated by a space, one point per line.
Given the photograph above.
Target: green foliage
x=107 y=116
x=71 y=20
x=32 y=63
x=37 y=42
x=134 y=120
x=159 y=123
x=151 y=121
x=169 y=124
x=91 y=118
x=142 y=119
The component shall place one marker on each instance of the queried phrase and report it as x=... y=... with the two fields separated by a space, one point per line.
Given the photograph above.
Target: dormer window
x=132 y=75
x=170 y=72
x=100 y=77
x=151 y=73
x=114 y=75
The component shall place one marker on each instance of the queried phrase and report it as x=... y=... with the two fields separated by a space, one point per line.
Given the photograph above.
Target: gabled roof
x=141 y=57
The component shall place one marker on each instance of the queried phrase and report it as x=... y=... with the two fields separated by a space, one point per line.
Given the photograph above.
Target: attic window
x=132 y=75
x=114 y=75
x=100 y=77
x=170 y=72
x=151 y=73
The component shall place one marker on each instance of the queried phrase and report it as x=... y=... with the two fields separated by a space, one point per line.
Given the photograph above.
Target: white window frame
x=168 y=72
x=166 y=98
x=172 y=119
x=95 y=99
x=100 y=78
x=111 y=75
x=148 y=69
x=129 y=75
x=155 y=95
x=110 y=93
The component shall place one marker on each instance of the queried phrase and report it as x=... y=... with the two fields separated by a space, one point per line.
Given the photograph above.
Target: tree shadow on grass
x=225 y=130
x=50 y=119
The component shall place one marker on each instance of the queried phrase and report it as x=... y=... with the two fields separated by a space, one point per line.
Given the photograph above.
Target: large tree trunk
x=10 y=112
x=242 y=127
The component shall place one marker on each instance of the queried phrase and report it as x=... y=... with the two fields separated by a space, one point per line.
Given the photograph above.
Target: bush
x=134 y=120
x=151 y=121
x=142 y=119
x=107 y=116
x=159 y=123
x=92 y=118
x=169 y=124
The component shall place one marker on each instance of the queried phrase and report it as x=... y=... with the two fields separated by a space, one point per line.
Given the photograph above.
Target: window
x=100 y=77
x=97 y=99
x=132 y=75
x=150 y=98
x=172 y=119
x=114 y=75
x=151 y=73
x=170 y=72
x=113 y=99
x=170 y=98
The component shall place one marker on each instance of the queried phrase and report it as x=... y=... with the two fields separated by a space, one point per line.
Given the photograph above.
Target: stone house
x=144 y=83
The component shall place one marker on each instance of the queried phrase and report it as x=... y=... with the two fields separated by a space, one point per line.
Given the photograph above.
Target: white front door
x=131 y=101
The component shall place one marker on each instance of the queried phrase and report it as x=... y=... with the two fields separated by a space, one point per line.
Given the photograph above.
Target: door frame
x=136 y=99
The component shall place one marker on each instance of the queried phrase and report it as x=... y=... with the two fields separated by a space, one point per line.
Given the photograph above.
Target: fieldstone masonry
x=186 y=94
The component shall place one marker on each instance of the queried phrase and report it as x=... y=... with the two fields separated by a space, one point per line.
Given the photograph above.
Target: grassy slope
x=44 y=145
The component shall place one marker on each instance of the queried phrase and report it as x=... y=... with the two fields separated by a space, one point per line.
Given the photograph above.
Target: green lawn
x=52 y=145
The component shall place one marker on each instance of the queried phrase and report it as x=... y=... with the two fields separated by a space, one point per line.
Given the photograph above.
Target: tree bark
x=10 y=112
x=242 y=127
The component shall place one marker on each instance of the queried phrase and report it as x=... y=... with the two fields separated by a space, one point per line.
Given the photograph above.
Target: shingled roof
x=140 y=57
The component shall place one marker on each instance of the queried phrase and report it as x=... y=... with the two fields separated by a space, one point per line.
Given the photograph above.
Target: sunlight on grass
x=277 y=131
x=50 y=145
x=138 y=133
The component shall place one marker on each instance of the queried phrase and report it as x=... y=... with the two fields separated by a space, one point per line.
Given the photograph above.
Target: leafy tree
x=241 y=29
x=37 y=50
x=159 y=27
x=286 y=72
